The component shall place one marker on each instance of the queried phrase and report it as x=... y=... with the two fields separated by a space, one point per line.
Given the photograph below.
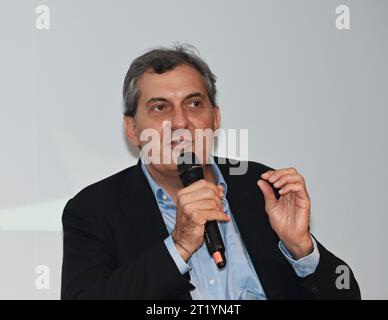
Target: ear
x=130 y=129
x=217 y=117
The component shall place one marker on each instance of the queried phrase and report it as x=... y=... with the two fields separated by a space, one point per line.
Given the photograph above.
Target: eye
x=158 y=107
x=195 y=103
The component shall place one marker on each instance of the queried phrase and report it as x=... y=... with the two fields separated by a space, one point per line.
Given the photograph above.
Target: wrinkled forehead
x=172 y=85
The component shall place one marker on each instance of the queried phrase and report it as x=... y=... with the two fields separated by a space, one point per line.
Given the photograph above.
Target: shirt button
x=164 y=197
x=211 y=282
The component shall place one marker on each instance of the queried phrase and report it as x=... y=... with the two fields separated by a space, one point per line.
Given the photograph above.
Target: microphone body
x=190 y=171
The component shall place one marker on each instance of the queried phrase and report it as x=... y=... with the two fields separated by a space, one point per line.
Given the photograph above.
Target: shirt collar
x=162 y=195
x=155 y=187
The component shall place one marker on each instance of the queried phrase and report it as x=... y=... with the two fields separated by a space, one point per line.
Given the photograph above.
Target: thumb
x=269 y=196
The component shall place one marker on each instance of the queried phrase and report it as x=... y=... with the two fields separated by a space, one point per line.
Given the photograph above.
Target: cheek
x=148 y=126
x=204 y=121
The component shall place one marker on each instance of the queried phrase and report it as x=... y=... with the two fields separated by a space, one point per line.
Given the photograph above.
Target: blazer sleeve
x=332 y=280
x=90 y=269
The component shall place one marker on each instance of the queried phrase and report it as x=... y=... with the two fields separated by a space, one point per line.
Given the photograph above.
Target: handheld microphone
x=190 y=171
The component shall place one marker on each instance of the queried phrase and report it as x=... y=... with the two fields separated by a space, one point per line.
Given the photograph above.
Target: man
x=139 y=234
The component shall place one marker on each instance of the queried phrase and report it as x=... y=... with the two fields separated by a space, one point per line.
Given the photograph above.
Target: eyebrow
x=193 y=95
x=189 y=96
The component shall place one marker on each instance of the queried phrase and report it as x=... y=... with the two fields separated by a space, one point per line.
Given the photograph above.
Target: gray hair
x=161 y=60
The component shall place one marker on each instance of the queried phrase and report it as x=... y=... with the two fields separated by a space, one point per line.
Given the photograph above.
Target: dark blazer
x=114 y=244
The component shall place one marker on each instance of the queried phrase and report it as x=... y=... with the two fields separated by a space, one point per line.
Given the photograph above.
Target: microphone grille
x=187 y=161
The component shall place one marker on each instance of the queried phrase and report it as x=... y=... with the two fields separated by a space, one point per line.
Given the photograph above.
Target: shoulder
x=103 y=193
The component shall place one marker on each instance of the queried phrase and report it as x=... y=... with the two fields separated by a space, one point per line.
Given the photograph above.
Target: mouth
x=180 y=143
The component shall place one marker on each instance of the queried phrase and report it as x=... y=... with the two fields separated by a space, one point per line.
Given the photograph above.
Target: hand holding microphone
x=199 y=207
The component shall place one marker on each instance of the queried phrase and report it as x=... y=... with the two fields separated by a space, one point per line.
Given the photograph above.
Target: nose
x=179 y=119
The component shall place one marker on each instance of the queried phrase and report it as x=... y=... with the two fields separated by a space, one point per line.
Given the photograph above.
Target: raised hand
x=290 y=214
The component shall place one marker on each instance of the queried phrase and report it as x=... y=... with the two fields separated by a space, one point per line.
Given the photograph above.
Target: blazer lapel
x=138 y=203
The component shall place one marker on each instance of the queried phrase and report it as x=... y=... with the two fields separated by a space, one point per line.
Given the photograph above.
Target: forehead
x=173 y=84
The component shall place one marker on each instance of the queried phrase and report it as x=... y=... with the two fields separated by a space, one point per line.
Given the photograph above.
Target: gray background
x=311 y=96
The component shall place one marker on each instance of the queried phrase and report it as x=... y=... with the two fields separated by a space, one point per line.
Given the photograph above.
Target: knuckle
x=186 y=207
x=182 y=199
x=211 y=186
x=191 y=206
x=202 y=182
x=290 y=178
x=210 y=192
x=180 y=194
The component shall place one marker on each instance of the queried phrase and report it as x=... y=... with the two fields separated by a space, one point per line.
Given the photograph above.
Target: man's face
x=176 y=98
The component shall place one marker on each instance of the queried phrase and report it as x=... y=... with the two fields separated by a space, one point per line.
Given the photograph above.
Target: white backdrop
x=311 y=96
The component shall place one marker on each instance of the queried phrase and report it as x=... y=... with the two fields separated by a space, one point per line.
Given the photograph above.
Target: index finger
x=278 y=172
x=200 y=184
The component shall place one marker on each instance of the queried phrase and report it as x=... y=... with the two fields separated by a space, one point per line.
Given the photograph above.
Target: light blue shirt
x=238 y=280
